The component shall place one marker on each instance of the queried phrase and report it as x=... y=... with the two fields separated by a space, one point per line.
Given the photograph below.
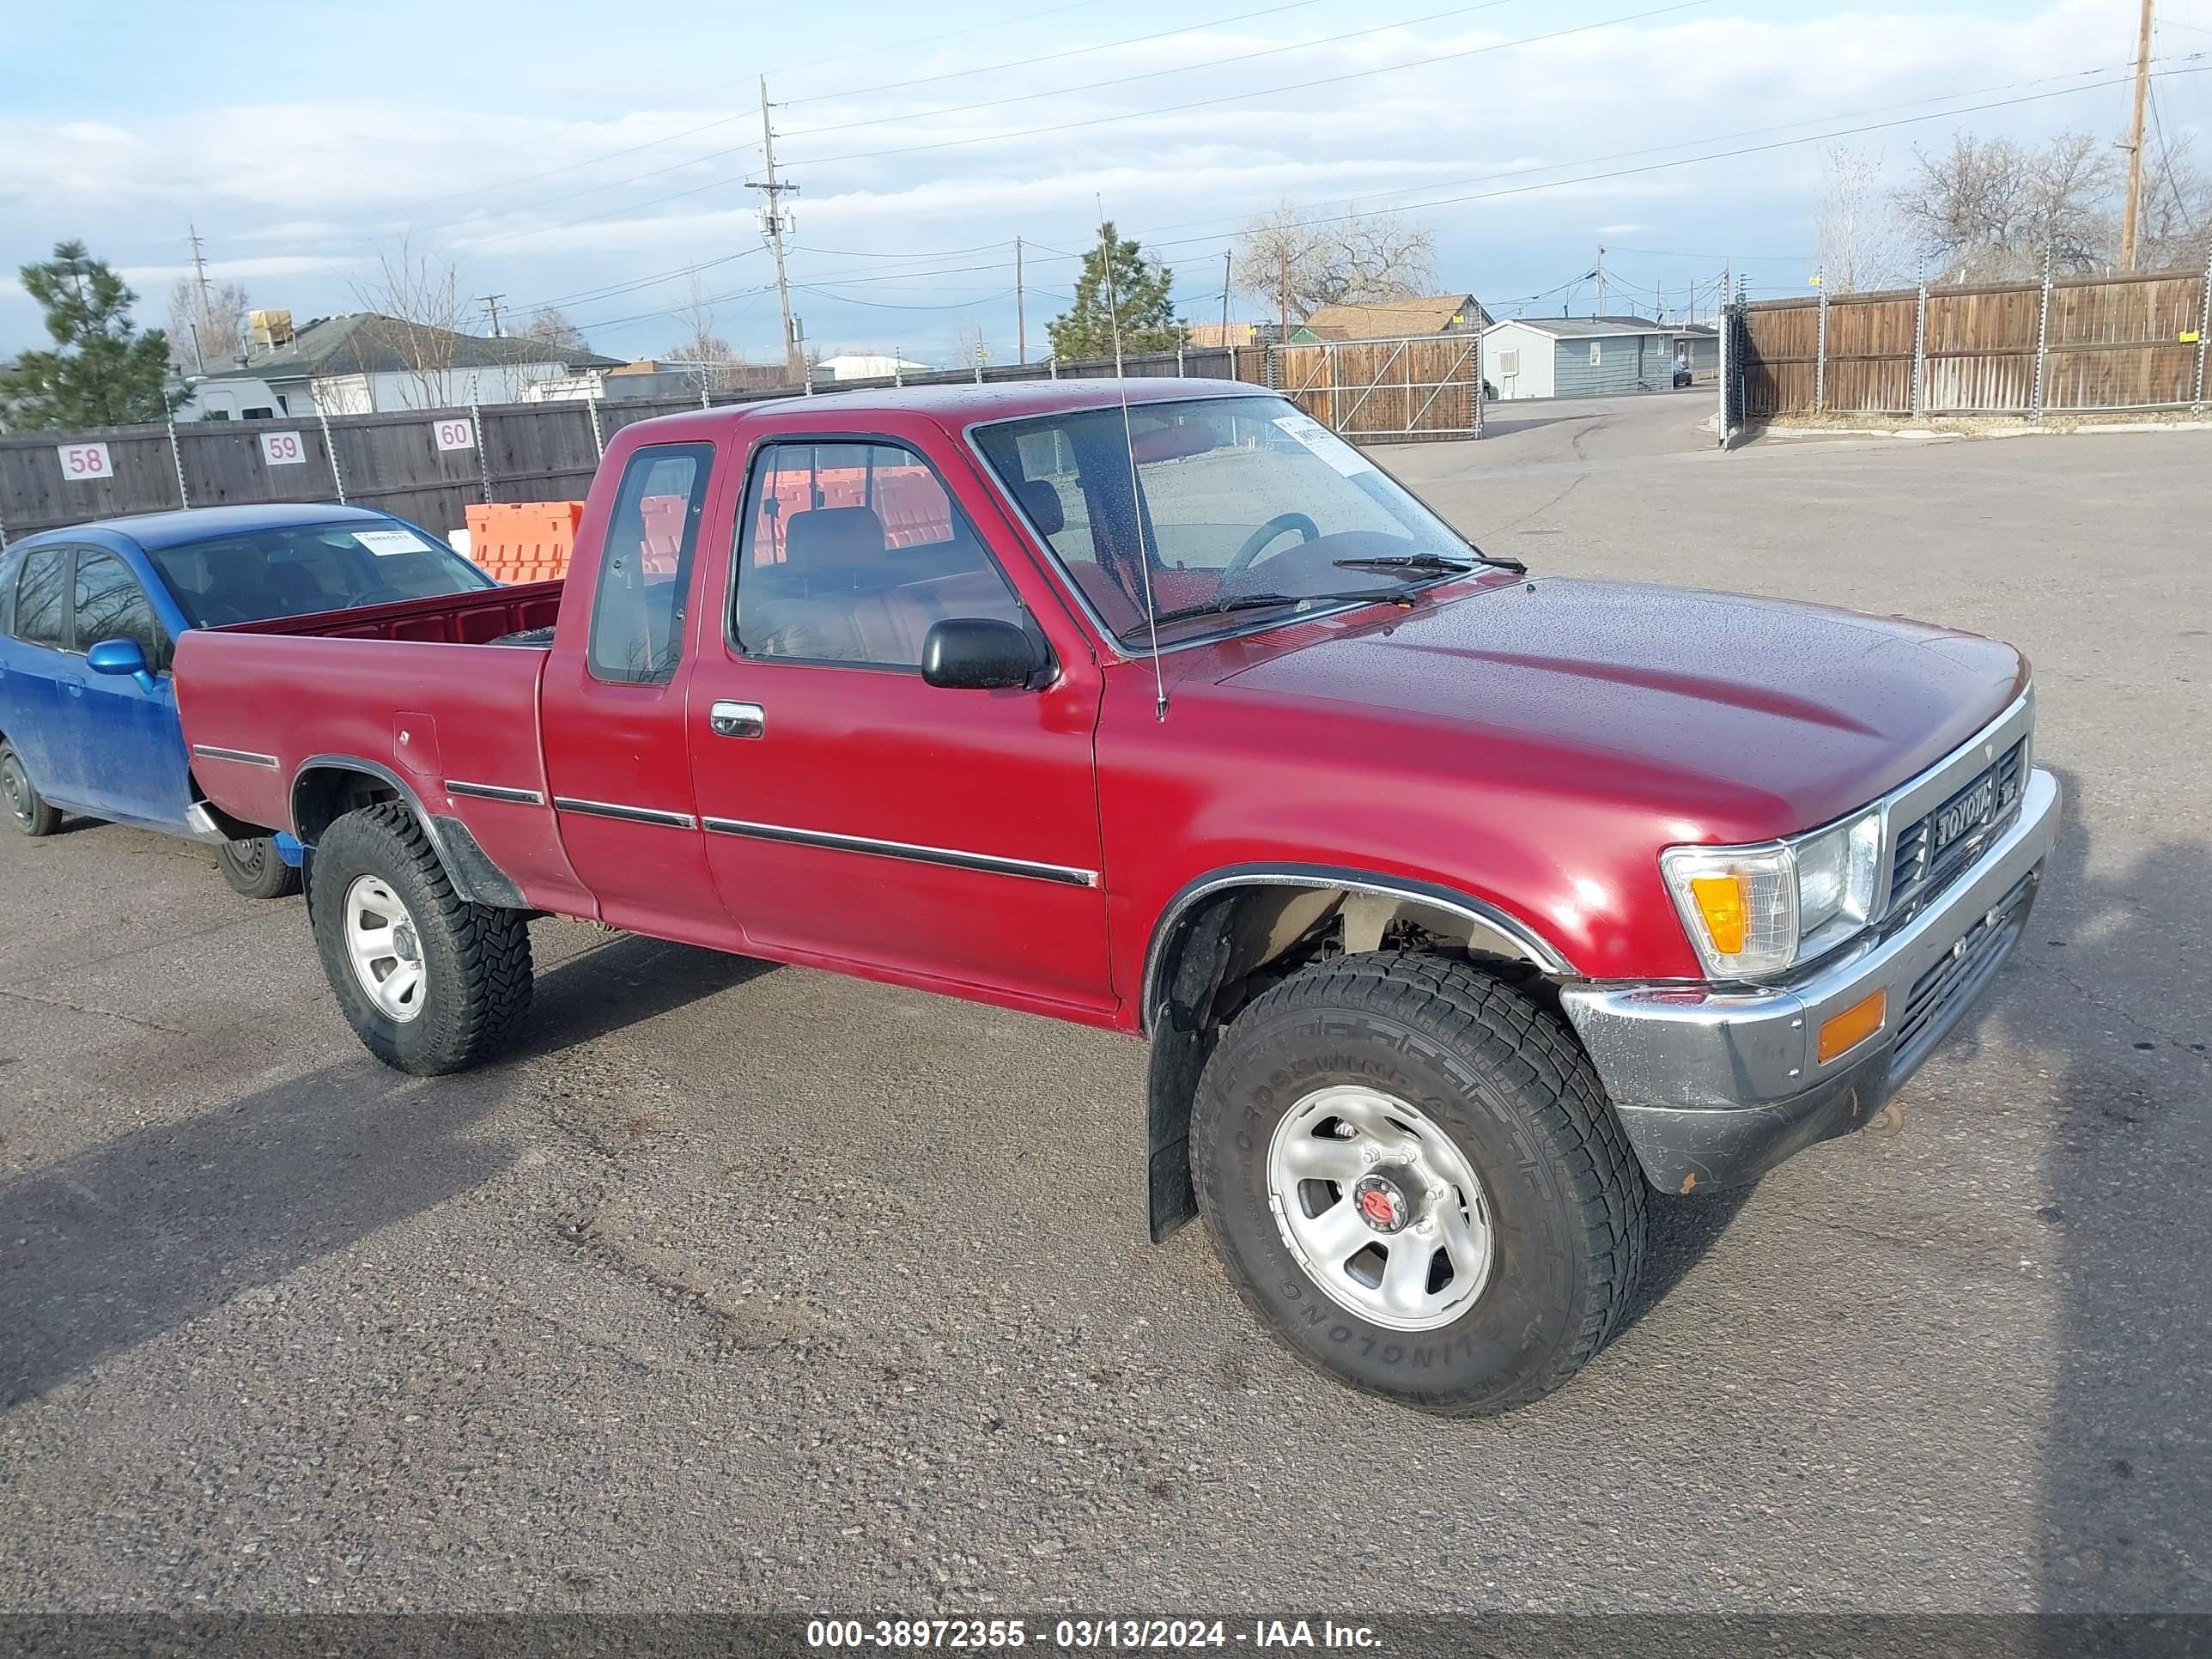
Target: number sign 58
x=83 y=462
x=459 y=434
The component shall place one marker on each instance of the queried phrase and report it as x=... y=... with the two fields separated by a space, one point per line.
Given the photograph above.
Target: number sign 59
x=281 y=449
x=83 y=462
x=456 y=433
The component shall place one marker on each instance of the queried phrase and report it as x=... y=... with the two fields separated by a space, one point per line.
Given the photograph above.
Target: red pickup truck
x=1458 y=904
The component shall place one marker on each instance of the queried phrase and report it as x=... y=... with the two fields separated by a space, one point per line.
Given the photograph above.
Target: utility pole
x=1021 y=319
x=1225 y=298
x=1599 y=274
x=772 y=223
x=199 y=328
x=2129 y=216
x=1283 y=294
x=491 y=302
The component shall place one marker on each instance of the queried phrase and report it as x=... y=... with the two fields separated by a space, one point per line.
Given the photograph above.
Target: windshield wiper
x=1428 y=563
x=1254 y=601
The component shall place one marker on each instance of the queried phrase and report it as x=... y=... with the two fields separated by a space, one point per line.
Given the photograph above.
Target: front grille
x=1917 y=871
x=1957 y=976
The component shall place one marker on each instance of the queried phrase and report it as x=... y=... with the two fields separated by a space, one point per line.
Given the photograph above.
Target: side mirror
x=120 y=657
x=975 y=653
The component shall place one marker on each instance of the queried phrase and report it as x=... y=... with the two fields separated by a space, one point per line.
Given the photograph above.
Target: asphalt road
x=741 y=1287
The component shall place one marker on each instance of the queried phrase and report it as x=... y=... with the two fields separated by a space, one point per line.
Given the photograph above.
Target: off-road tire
x=26 y=809
x=1511 y=1088
x=475 y=957
x=255 y=869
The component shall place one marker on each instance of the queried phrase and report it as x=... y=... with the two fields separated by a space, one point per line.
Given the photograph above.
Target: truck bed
x=417 y=690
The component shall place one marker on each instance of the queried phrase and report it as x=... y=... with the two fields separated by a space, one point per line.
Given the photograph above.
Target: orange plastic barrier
x=524 y=541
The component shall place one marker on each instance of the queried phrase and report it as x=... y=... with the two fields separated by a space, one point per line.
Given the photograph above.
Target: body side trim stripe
x=985 y=863
x=607 y=809
x=243 y=757
x=495 y=792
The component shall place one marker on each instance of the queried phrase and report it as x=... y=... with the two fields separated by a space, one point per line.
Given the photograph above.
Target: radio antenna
x=1128 y=438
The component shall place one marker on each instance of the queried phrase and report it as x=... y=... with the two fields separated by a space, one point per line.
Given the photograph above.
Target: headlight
x=1754 y=911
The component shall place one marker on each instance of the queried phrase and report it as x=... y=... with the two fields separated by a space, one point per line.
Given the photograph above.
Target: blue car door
x=36 y=659
x=132 y=746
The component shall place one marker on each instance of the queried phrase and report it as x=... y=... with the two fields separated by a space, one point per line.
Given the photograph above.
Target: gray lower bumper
x=1715 y=1088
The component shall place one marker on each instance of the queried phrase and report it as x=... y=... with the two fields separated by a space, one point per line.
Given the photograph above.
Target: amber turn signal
x=1721 y=902
x=1840 y=1033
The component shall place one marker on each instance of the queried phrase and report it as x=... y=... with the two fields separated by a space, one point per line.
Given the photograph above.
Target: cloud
x=291 y=195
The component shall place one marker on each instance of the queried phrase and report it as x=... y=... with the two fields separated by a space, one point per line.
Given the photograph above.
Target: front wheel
x=28 y=809
x=256 y=869
x=429 y=982
x=1413 y=1176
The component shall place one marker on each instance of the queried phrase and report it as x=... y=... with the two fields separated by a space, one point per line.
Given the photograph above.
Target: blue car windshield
x=252 y=575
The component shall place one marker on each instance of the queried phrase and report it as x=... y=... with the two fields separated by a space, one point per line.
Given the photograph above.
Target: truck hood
x=1766 y=716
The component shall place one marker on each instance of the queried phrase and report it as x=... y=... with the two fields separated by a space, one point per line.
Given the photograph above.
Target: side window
x=112 y=605
x=850 y=551
x=41 y=608
x=637 y=614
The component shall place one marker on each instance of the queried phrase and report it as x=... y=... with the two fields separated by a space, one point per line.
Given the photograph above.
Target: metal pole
x=1920 y=353
x=2203 y=329
x=598 y=440
x=1179 y=368
x=2042 y=344
x=331 y=449
x=1021 y=316
x=177 y=458
x=1820 y=361
x=483 y=457
x=1225 y=254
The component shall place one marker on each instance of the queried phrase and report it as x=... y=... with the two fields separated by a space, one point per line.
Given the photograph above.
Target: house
x=1578 y=356
x=1400 y=319
x=863 y=365
x=1699 y=345
x=650 y=377
x=364 y=362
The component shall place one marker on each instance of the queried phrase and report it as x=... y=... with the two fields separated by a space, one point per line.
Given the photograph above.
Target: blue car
x=89 y=617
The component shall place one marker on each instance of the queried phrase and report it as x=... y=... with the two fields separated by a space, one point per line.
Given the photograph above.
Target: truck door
x=854 y=814
x=611 y=709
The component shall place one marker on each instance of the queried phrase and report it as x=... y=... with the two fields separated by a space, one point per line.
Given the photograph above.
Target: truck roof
x=960 y=404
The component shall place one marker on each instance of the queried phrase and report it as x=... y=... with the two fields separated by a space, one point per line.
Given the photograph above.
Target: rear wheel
x=430 y=982
x=256 y=869
x=1412 y=1177
x=26 y=809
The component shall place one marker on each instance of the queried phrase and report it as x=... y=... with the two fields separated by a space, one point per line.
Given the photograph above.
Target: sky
x=596 y=157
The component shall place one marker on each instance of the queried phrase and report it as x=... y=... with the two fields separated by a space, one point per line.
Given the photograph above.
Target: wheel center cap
x=1386 y=1200
x=404 y=942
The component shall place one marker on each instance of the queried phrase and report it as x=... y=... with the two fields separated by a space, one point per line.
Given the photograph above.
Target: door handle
x=736 y=719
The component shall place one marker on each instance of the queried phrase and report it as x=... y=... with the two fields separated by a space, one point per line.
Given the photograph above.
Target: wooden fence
x=2074 y=346
x=396 y=463
x=1388 y=391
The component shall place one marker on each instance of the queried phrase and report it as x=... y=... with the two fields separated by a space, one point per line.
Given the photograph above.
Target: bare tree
x=711 y=360
x=210 y=333
x=416 y=305
x=1298 y=262
x=550 y=325
x=1858 y=232
x=2177 y=214
x=974 y=349
x=1988 y=208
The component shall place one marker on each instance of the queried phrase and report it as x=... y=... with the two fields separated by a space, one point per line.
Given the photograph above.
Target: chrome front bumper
x=1715 y=1088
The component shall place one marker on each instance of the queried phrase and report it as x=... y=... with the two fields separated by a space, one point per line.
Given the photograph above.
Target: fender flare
x=475 y=878
x=1526 y=941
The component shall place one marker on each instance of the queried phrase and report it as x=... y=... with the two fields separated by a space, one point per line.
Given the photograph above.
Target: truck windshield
x=1244 y=503
x=252 y=575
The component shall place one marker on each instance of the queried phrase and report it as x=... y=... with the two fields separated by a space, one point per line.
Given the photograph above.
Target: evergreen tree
x=1142 y=296
x=103 y=372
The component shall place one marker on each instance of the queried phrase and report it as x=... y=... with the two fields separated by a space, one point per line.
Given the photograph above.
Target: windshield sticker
x=387 y=543
x=1326 y=444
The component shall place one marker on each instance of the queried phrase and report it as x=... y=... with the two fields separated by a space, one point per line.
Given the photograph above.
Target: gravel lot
x=281 y=1329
